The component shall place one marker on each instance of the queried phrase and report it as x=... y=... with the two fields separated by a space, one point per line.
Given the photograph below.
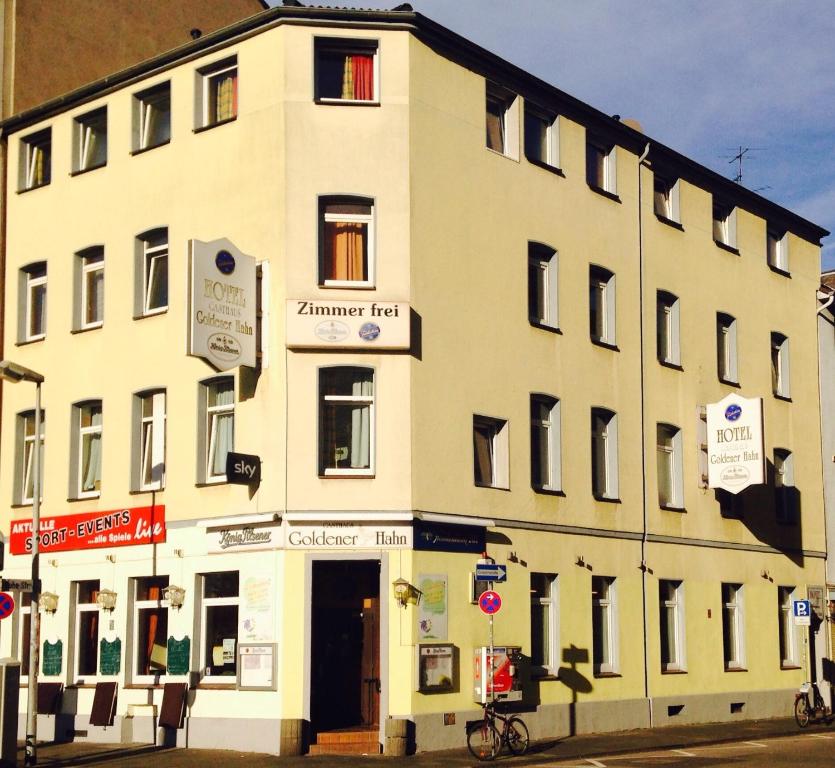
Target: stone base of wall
x=723 y=707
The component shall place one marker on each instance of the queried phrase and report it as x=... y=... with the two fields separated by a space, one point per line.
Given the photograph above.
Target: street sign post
x=6 y=605
x=802 y=612
x=491 y=572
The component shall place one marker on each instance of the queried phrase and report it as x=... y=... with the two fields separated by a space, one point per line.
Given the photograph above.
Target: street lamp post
x=14 y=373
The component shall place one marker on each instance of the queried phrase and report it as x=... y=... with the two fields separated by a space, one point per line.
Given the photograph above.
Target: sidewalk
x=591 y=745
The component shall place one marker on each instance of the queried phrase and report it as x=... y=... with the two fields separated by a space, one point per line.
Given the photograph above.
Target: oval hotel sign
x=735 y=443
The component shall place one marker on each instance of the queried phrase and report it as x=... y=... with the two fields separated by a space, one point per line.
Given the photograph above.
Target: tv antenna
x=740 y=153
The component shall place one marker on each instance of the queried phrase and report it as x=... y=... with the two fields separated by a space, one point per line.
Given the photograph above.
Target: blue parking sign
x=802 y=611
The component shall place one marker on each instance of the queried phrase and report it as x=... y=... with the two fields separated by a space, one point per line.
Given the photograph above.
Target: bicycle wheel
x=801 y=711
x=517 y=736
x=484 y=741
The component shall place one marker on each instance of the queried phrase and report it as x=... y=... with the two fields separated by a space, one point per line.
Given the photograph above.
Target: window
x=219 y=637
x=733 y=639
x=22 y=636
x=604 y=625
x=671 y=625
x=724 y=224
x=666 y=199
x=490 y=452
x=502 y=120
x=545 y=641
x=90 y=138
x=86 y=636
x=217 y=416
x=669 y=462
x=152 y=117
x=217 y=93
x=542 y=286
x=542 y=144
x=785 y=623
x=25 y=458
x=786 y=497
x=667 y=328
x=604 y=453
x=726 y=351
x=780 y=375
x=601 y=166
x=545 y=443
x=35 y=167
x=601 y=305
x=346 y=421
x=346 y=234
x=777 y=249
x=32 y=305
x=151 y=296
x=89 y=289
x=85 y=480
x=346 y=70
x=149 y=448
x=150 y=629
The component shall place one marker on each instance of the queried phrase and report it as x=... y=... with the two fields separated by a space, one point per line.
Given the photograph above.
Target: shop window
x=89 y=288
x=542 y=286
x=152 y=117
x=149 y=450
x=604 y=454
x=217 y=431
x=217 y=93
x=346 y=421
x=602 y=310
x=545 y=643
x=789 y=657
x=32 y=304
x=35 y=166
x=780 y=369
x=604 y=625
x=346 y=234
x=219 y=622
x=490 y=452
x=733 y=626
x=346 y=70
x=22 y=637
x=25 y=457
x=86 y=454
x=726 y=348
x=667 y=328
x=669 y=461
x=90 y=139
x=546 y=472
x=150 y=629
x=671 y=625
x=86 y=635
x=542 y=138
x=151 y=269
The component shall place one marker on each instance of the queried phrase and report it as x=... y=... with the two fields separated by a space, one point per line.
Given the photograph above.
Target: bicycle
x=808 y=710
x=485 y=738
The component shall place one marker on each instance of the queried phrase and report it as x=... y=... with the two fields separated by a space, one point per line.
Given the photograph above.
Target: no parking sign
x=6 y=605
x=490 y=602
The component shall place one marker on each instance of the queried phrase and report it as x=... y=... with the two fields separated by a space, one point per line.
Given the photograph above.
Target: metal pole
x=492 y=659
x=31 y=757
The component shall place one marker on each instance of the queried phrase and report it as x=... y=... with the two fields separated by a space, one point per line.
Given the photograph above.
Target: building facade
x=487 y=317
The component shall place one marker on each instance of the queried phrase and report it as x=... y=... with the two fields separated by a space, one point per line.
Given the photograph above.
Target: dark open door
x=371 y=661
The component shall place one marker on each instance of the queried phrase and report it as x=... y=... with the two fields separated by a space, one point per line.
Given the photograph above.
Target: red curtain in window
x=153 y=621
x=344 y=251
x=363 y=68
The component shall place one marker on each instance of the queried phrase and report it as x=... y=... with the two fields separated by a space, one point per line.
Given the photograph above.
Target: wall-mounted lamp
x=580 y=561
x=405 y=593
x=766 y=575
x=175 y=595
x=106 y=599
x=48 y=601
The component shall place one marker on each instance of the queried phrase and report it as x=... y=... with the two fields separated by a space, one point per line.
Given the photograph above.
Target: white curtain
x=361 y=424
x=91 y=472
x=225 y=431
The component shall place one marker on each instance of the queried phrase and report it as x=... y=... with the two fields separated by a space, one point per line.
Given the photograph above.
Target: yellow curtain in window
x=346 y=249
x=226 y=107
x=37 y=172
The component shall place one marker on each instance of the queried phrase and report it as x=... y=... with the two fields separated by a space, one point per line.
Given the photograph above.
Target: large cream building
x=489 y=318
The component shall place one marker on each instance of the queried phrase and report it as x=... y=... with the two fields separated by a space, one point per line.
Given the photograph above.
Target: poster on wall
x=432 y=608
x=256 y=624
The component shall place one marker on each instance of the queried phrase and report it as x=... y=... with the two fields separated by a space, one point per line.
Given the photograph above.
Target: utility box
x=506 y=685
x=9 y=700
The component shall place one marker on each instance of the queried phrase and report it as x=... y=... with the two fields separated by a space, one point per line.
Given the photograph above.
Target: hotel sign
x=347 y=324
x=346 y=535
x=735 y=443
x=221 y=304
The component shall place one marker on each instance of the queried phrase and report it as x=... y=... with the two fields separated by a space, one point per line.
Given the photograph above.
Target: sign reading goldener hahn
x=222 y=304
x=348 y=324
x=735 y=443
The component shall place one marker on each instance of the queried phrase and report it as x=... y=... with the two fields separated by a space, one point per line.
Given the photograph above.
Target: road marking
x=596 y=763
x=682 y=752
x=756 y=744
x=818 y=736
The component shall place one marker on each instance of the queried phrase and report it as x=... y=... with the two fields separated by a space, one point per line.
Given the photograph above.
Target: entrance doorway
x=345 y=645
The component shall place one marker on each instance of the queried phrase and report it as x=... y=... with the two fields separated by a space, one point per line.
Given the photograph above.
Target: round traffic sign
x=6 y=605
x=490 y=602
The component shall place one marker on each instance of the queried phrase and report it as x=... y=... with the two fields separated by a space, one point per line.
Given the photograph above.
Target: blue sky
x=704 y=78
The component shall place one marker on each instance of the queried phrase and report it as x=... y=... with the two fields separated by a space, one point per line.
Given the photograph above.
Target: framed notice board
x=256 y=667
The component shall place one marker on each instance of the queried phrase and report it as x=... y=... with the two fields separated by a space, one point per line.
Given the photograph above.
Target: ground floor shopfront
x=288 y=626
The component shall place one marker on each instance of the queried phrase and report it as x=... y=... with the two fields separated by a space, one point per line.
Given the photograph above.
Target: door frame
x=383 y=558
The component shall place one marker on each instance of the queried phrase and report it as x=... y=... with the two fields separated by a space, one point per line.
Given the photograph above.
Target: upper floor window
x=542 y=140
x=786 y=498
x=346 y=421
x=670 y=466
x=152 y=117
x=151 y=266
x=777 y=249
x=490 y=452
x=667 y=328
x=85 y=479
x=25 y=457
x=545 y=443
x=666 y=199
x=780 y=370
x=601 y=305
x=89 y=288
x=726 y=351
x=724 y=224
x=32 y=304
x=502 y=120
x=542 y=286
x=346 y=70
x=90 y=138
x=217 y=92
x=217 y=433
x=35 y=166
x=601 y=166
x=149 y=451
x=346 y=234
x=604 y=453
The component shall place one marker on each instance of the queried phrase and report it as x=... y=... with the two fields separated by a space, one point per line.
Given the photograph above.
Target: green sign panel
x=52 y=657
x=110 y=657
x=178 y=656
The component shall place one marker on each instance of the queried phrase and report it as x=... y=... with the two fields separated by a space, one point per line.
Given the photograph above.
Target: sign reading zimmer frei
x=348 y=324
x=735 y=443
x=221 y=304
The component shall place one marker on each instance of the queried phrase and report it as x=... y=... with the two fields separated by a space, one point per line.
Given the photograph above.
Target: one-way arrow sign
x=491 y=572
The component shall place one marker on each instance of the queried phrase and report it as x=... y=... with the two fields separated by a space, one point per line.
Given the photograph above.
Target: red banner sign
x=90 y=530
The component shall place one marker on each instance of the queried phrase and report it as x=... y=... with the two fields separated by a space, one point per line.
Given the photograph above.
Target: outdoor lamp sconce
x=405 y=593
x=48 y=601
x=175 y=595
x=106 y=599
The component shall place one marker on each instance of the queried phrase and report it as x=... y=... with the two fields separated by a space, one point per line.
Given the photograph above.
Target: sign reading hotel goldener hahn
x=348 y=324
x=735 y=443
x=222 y=304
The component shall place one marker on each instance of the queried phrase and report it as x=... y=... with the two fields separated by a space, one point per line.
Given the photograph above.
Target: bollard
x=9 y=700
x=396 y=737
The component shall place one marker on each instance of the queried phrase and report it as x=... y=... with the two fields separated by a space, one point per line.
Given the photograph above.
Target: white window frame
x=668 y=324
x=136 y=606
x=608 y=436
x=549 y=436
x=146 y=110
x=207 y=77
x=669 y=450
x=602 y=296
x=89 y=263
x=205 y=604
x=543 y=286
x=505 y=105
x=777 y=249
x=150 y=431
x=88 y=129
x=605 y=165
x=724 y=224
x=496 y=431
x=154 y=257
x=347 y=47
x=26 y=448
x=673 y=604
x=552 y=136
x=81 y=435
x=211 y=416
x=780 y=367
x=608 y=603
x=550 y=602
x=666 y=198
x=787 y=634
x=79 y=609
x=370 y=401
x=33 y=278
x=35 y=151
x=784 y=487
x=726 y=348
x=348 y=218
x=733 y=622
